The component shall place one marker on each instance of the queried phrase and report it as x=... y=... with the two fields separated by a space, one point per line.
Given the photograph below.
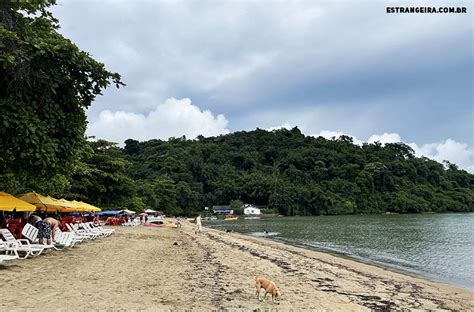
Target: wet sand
x=146 y=268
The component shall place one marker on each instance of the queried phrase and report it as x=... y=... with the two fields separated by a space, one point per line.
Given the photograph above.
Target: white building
x=251 y=210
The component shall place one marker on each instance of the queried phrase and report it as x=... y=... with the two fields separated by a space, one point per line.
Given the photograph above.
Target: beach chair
x=31 y=233
x=79 y=238
x=98 y=229
x=86 y=227
x=11 y=253
x=63 y=239
x=74 y=239
x=81 y=233
x=22 y=246
x=6 y=258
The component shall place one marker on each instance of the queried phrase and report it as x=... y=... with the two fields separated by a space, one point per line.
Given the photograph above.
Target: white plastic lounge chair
x=77 y=236
x=82 y=229
x=101 y=231
x=22 y=246
x=100 y=227
x=10 y=252
x=60 y=241
x=68 y=239
x=81 y=233
x=30 y=232
x=87 y=228
x=6 y=258
x=63 y=239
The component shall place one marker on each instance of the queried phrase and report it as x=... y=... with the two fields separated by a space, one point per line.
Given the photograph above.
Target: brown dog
x=270 y=288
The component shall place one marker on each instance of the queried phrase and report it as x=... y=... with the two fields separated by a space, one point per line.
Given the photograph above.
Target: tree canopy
x=46 y=83
x=289 y=172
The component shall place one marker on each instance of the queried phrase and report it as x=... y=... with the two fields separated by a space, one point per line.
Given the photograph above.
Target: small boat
x=230 y=217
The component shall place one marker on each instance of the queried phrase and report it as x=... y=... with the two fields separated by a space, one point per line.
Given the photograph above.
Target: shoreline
x=418 y=279
x=146 y=268
x=367 y=261
x=436 y=260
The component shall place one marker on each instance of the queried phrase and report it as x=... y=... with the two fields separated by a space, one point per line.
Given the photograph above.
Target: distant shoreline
x=361 y=214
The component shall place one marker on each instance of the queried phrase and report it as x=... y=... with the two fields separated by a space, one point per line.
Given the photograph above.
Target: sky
x=328 y=67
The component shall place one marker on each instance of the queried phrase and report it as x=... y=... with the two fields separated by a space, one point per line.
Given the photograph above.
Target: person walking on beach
x=198 y=224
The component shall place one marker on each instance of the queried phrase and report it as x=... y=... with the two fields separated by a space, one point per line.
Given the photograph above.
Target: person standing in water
x=198 y=225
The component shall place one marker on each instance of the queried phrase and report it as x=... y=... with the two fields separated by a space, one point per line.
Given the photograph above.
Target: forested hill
x=283 y=169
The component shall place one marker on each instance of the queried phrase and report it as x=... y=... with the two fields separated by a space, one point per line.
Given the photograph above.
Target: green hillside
x=285 y=170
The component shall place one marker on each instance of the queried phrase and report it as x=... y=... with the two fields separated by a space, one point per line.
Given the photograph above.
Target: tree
x=237 y=206
x=102 y=179
x=46 y=83
x=188 y=199
x=132 y=147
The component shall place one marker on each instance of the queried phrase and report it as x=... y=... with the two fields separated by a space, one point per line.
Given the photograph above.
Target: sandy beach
x=173 y=269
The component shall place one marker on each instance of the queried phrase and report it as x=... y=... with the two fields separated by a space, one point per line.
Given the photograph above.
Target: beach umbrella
x=89 y=207
x=84 y=207
x=94 y=208
x=68 y=205
x=79 y=206
x=45 y=203
x=10 y=203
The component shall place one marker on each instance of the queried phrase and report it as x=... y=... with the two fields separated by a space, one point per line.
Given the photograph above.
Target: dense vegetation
x=283 y=169
x=47 y=82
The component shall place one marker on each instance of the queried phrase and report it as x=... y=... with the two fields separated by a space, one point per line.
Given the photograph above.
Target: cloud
x=385 y=138
x=458 y=153
x=241 y=58
x=286 y=126
x=328 y=134
x=173 y=118
x=455 y=152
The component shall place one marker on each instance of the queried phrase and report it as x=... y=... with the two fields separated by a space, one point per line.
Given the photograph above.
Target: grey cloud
x=337 y=65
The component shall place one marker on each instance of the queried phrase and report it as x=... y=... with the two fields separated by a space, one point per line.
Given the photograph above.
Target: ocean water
x=437 y=246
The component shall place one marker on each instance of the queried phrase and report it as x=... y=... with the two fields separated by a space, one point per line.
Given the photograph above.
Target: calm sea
x=437 y=246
